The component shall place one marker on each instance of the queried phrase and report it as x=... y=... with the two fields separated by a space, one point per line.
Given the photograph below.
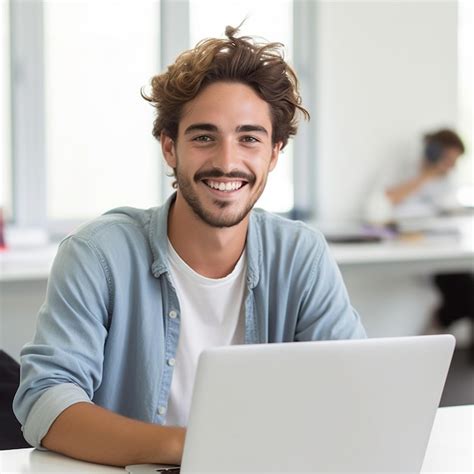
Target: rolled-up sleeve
x=48 y=407
x=63 y=364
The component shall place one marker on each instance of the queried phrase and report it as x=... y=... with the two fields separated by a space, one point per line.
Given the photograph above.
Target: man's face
x=449 y=158
x=223 y=152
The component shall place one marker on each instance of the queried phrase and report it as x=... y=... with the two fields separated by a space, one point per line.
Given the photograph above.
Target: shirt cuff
x=47 y=408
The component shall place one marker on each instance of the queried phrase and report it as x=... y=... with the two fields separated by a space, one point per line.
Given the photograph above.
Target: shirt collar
x=158 y=237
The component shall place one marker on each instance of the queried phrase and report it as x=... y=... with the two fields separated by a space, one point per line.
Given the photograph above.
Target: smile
x=227 y=186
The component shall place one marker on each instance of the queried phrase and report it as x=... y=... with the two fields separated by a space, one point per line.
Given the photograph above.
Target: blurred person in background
x=428 y=190
x=421 y=189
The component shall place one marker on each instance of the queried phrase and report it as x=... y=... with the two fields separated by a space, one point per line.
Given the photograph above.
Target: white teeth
x=227 y=187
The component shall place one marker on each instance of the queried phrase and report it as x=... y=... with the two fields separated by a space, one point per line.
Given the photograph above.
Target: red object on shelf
x=3 y=244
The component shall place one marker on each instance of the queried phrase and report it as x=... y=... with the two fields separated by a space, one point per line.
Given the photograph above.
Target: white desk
x=390 y=283
x=450 y=450
x=436 y=254
x=437 y=250
x=26 y=263
x=451 y=445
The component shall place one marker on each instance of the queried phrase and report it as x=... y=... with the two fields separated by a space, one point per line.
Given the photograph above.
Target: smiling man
x=232 y=155
x=222 y=155
x=136 y=295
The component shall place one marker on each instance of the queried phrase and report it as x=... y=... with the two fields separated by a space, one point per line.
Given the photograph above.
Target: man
x=427 y=189
x=418 y=189
x=134 y=296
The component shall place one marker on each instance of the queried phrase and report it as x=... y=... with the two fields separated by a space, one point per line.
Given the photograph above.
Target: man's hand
x=429 y=172
x=91 y=433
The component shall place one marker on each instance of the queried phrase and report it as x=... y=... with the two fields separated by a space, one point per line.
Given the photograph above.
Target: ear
x=275 y=154
x=169 y=150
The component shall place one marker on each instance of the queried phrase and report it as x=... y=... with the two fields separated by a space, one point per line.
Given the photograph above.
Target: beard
x=221 y=216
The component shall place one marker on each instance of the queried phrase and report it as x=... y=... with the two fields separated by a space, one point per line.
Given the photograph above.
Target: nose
x=225 y=157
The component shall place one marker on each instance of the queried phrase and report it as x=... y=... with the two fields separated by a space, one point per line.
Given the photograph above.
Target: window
x=5 y=117
x=77 y=130
x=273 y=21
x=100 y=152
x=465 y=169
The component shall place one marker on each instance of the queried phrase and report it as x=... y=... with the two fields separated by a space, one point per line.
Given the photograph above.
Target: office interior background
x=75 y=134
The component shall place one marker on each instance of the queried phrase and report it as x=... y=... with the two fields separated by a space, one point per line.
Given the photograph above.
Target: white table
x=27 y=263
x=450 y=450
x=451 y=445
x=447 y=245
x=390 y=283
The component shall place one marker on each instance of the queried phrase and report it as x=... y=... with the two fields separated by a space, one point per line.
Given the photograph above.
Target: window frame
x=305 y=159
x=27 y=113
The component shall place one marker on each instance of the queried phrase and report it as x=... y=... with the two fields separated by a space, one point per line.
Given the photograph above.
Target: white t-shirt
x=212 y=314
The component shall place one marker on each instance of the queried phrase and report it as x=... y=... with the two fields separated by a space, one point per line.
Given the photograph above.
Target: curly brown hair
x=445 y=138
x=244 y=60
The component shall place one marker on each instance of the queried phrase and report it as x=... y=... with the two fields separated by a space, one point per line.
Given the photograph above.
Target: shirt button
x=161 y=410
x=173 y=314
x=171 y=362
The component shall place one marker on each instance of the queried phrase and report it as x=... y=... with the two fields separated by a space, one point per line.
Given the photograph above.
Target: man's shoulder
x=287 y=250
x=273 y=226
x=114 y=225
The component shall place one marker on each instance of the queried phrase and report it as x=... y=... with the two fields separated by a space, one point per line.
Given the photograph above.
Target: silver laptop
x=328 y=406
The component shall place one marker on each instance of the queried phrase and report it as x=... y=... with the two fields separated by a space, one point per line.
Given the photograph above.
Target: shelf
x=26 y=263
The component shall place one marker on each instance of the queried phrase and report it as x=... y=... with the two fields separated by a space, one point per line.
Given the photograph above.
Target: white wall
x=387 y=73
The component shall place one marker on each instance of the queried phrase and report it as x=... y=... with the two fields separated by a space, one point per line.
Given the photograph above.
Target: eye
x=202 y=138
x=249 y=139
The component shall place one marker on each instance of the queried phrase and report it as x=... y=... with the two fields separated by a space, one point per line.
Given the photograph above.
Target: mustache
x=216 y=173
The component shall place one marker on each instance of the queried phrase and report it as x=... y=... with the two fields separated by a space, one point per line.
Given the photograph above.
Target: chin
x=222 y=220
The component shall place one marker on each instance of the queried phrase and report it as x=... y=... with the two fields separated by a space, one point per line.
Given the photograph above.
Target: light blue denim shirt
x=110 y=322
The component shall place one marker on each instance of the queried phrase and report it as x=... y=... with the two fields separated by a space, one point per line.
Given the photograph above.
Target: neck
x=210 y=251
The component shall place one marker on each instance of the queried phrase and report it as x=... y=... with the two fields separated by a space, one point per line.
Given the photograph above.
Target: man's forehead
x=223 y=102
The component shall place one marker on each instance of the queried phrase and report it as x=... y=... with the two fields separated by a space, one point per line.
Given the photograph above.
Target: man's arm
x=399 y=193
x=89 y=432
x=62 y=369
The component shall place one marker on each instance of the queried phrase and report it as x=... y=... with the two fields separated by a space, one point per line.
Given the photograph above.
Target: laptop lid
x=327 y=406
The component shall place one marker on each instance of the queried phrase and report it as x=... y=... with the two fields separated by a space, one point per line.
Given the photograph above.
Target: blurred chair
x=11 y=436
x=457 y=291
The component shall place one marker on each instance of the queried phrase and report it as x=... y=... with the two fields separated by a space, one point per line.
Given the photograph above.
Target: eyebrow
x=252 y=128
x=209 y=127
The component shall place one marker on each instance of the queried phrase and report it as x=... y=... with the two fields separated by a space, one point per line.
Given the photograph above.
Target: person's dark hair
x=445 y=138
x=233 y=59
